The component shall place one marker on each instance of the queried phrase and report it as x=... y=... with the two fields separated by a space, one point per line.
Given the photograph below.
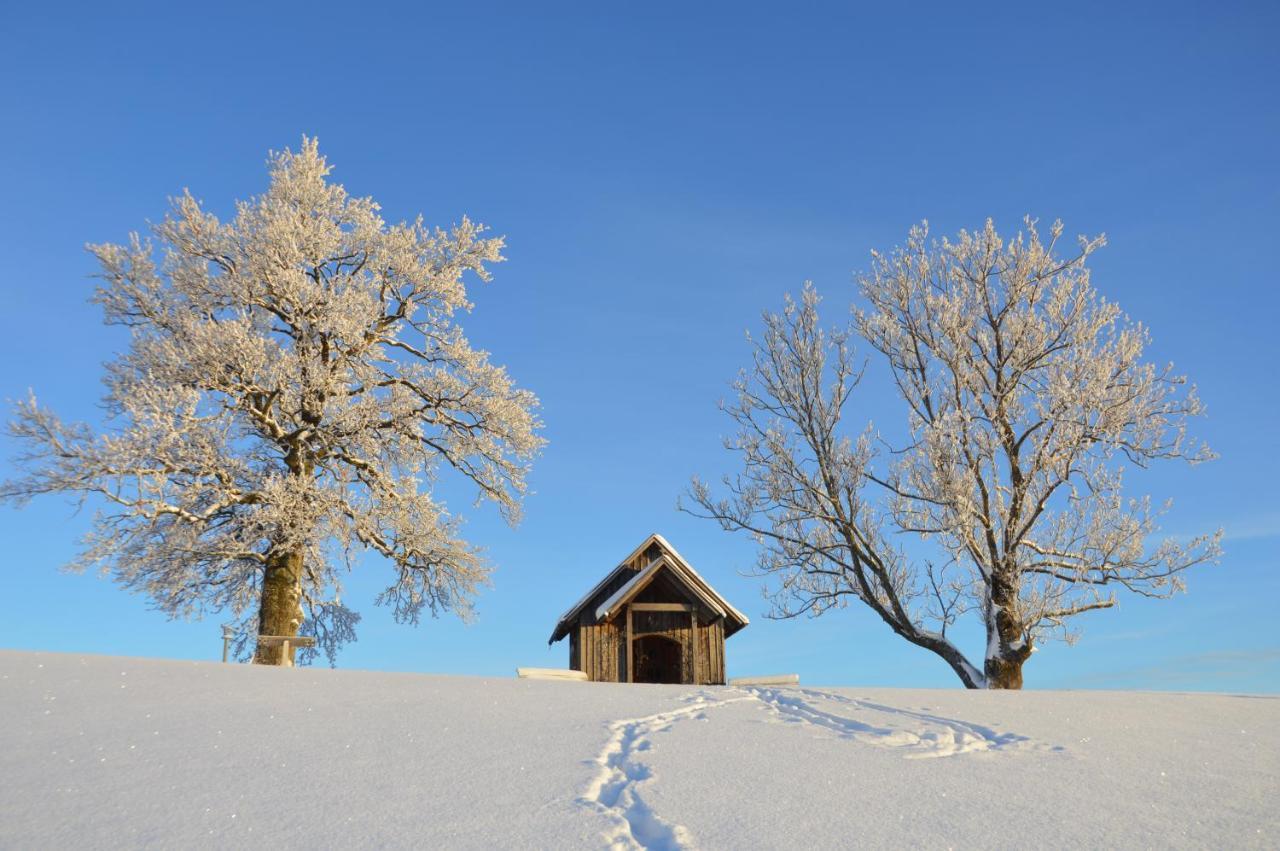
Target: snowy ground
x=98 y=751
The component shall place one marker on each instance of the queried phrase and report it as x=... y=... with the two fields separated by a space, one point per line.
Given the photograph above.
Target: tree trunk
x=280 y=611
x=1003 y=667
x=1004 y=673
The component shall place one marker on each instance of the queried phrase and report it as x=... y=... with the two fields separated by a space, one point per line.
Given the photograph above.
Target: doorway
x=657 y=659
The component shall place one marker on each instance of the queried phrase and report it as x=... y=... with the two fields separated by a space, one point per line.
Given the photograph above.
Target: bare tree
x=1026 y=393
x=295 y=382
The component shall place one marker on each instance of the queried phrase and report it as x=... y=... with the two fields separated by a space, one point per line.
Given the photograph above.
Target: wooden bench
x=286 y=640
x=268 y=641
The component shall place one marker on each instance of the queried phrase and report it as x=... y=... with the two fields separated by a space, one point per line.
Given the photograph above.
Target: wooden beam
x=295 y=640
x=693 y=642
x=630 y=658
x=662 y=607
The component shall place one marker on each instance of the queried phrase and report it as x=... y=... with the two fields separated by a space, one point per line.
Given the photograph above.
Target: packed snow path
x=102 y=752
x=617 y=790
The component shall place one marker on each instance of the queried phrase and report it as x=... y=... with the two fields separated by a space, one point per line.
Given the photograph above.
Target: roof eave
x=692 y=577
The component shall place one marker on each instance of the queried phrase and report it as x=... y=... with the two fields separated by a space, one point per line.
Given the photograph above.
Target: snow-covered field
x=99 y=751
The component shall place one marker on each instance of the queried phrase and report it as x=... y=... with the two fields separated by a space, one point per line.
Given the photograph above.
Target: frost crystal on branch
x=1026 y=395
x=295 y=383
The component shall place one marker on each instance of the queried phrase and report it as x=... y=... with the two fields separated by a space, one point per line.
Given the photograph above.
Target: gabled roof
x=675 y=564
x=641 y=580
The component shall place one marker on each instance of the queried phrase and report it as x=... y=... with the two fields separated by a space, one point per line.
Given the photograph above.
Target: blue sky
x=662 y=176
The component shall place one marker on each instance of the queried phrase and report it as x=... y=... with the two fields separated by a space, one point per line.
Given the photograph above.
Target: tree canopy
x=1025 y=395
x=295 y=383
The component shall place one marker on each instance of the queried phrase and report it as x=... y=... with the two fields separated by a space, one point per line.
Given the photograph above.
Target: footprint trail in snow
x=616 y=789
x=921 y=734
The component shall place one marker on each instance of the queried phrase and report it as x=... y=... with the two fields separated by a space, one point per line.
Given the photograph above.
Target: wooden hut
x=652 y=619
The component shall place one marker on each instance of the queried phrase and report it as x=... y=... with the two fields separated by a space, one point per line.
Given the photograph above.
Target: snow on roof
x=641 y=579
x=661 y=541
x=694 y=580
x=618 y=596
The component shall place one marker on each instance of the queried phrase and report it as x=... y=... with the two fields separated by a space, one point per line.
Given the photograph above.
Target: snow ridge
x=936 y=737
x=616 y=789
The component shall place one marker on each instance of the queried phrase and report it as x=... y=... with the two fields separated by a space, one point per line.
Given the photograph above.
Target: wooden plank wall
x=705 y=654
x=599 y=650
x=711 y=646
x=603 y=648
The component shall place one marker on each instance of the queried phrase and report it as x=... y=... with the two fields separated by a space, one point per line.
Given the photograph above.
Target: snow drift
x=100 y=752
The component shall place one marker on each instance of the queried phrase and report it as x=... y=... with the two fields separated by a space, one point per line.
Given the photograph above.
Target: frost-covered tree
x=1026 y=394
x=295 y=382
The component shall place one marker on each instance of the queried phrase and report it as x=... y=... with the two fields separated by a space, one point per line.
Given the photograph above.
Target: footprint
x=616 y=789
x=929 y=735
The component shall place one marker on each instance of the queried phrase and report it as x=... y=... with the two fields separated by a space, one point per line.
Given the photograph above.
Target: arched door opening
x=656 y=659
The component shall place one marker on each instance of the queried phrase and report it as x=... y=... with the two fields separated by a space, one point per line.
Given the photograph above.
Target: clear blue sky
x=663 y=175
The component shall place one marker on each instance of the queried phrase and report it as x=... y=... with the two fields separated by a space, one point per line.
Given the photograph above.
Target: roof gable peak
x=679 y=567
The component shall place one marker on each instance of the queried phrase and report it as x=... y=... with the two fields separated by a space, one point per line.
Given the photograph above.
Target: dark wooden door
x=657 y=659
